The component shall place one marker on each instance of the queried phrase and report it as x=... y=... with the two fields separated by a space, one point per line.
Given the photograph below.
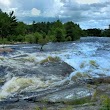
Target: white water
x=87 y=58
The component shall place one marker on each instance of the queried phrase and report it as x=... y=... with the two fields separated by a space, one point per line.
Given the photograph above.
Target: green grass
x=50 y=59
x=80 y=101
x=105 y=102
x=93 y=63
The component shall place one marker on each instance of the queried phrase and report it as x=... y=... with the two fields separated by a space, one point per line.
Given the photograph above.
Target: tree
x=93 y=32
x=21 y=29
x=73 y=31
x=8 y=24
x=106 y=33
x=43 y=41
x=59 y=35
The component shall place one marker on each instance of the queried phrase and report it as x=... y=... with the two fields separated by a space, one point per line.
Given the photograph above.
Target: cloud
x=54 y=9
x=87 y=13
x=87 y=1
x=35 y=12
x=5 y=2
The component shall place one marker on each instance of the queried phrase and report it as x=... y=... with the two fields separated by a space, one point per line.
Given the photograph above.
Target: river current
x=18 y=68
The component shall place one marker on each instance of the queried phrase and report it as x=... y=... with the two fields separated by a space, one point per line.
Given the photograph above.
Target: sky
x=86 y=13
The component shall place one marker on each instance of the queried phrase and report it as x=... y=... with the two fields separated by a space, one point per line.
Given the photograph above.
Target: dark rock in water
x=58 y=68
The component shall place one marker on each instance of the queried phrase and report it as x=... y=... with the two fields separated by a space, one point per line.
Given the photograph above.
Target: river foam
x=89 y=60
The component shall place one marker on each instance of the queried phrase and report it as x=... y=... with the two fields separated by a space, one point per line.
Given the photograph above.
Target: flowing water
x=19 y=73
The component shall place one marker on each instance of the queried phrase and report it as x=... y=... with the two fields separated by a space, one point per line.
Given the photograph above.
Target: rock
x=68 y=95
x=98 y=80
x=6 y=49
x=58 y=68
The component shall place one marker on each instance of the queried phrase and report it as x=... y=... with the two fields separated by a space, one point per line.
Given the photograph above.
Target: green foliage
x=42 y=41
x=21 y=28
x=59 y=35
x=55 y=31
x=50 y=59
x=68 y=108
x=37 y=36
x=40 y=108
x=80 y=101
x=106 y=33
x=68 y=38
x=105 y=102
x=93 y=63
x=40 y=32
x=8 y=24
x=80 y=75
x=4 y=41
x=73 y=31
x=14 y=38
x=30 y=38
x=97 y=32
x=93 y=32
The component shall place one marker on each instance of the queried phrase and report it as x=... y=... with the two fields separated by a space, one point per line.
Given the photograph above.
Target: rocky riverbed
x=72 y=75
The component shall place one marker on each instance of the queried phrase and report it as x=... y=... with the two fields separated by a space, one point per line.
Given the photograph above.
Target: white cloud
x=87 y=1
x=79 y=11
x=5 y=2
x=54 y=10
x=35 y=12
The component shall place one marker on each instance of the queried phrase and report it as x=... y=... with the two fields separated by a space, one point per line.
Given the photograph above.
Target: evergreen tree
x=8 y=24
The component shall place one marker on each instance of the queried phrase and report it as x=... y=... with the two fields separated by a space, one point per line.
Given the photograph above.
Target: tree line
x=12 y=30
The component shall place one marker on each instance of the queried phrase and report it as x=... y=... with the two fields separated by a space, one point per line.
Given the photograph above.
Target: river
x=18 y=70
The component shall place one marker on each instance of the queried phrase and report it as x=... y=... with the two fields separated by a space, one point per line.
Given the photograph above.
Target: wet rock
x=68 y=95
x=98 y=80
x=6 y=49
x=58 y=68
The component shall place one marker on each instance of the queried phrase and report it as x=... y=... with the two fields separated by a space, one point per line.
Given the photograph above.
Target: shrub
x=39 y=108
x=18 y=38
x=30 y=38
x=105 y=103
x=43 y=41
x=68 y=38
x=37 y=36
x=80 y=101
x=50 y=59
x=82 y=65
x=93 y=63
x=4 y=41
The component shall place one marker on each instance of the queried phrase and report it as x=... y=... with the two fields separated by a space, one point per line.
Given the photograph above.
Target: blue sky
x=87 y=13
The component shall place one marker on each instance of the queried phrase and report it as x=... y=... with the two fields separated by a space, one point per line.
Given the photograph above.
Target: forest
x=12 y=30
